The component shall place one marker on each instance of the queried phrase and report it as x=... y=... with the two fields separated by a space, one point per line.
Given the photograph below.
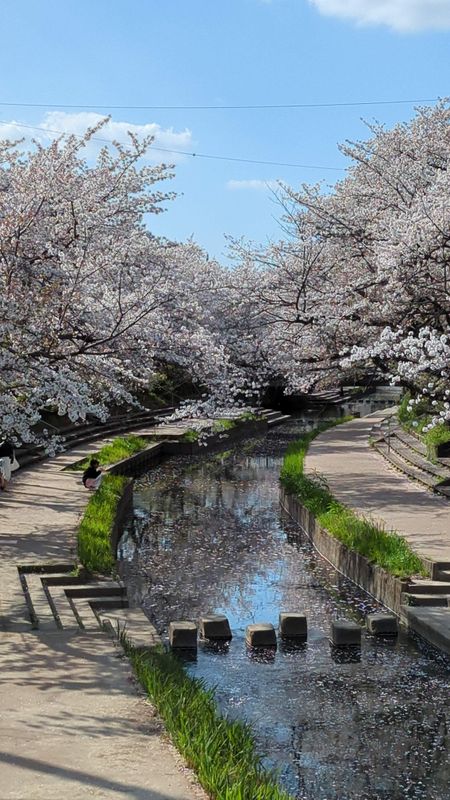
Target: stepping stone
x=262 y=634
x=382 y=624
x=216 y=627
x=344 y=633
x=183 y=635
x=293 y=626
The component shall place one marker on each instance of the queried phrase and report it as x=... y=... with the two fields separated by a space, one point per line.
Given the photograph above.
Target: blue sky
x=229 y=52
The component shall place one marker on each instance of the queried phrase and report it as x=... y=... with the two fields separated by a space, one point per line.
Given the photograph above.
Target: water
x=208 y=537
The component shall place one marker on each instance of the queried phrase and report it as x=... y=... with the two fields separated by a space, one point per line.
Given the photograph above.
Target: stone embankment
x=360 y=478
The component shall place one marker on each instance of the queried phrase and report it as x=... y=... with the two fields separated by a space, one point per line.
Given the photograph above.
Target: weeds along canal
x=208 y=536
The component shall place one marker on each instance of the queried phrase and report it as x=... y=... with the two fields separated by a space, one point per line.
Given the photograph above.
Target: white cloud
x=252 y=184
x=57 y=122
x=401 y=15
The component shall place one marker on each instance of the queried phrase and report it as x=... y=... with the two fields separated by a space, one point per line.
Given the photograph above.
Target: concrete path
x=72 y=721
x=361 y=479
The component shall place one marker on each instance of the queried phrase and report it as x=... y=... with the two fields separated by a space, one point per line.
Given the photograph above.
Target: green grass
x=221 y=426
x=94 y=533
x=190 y=435
x=117 y=450
x=221 y=751
x=250 y=416
x=438 y=435
x=385 y=548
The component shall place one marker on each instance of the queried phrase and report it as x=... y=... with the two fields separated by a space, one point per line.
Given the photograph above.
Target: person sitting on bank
x=92 y=476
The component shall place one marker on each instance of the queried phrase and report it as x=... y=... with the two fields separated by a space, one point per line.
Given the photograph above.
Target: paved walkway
x=361 y=479
x=72 y=722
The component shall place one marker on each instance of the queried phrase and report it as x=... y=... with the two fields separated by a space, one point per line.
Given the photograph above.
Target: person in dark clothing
x=92 y=476
x=6 y=459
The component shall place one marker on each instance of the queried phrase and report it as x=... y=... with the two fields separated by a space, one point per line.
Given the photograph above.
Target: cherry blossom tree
x=90 y=300
x=359 y=284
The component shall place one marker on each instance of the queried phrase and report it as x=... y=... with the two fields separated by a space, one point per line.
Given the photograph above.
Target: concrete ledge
x=124 y=513
x=133 y=465
x=373 y=579
x=133 y=623
x=433 y=624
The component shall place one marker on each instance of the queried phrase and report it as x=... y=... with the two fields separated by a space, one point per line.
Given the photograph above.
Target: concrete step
x=433 y=624
x=442 y=573
x=131 y=622
x=88 y=432
x=86 y=609
x=97 y=589
x=59 y=600
x=429 y=587
x=425 y=599
x=62 y=608
x=278 y=420
x=408 y=454
x=416 y=460
x=443 y=487
x=268 y=413
x=40 y=609
x=414 y=473
x=410 y=441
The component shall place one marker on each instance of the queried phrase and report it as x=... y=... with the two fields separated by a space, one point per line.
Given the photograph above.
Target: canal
x=208 y=536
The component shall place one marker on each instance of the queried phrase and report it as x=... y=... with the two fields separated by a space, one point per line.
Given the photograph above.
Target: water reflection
x=368 y=724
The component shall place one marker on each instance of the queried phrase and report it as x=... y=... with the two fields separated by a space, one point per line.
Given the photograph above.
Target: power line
x=180 y=152
x=247 y=107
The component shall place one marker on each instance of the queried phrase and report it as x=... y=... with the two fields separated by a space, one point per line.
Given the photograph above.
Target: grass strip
x=113 y=452
x=190 y=435
x=222 y=752
x=94 y=542
x=221 y=426
x=386 y=548
x=224 y=424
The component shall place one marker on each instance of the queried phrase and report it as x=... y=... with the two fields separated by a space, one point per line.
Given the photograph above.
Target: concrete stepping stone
x=293 y=625
x=345 y=633
x=215 y=627
x=183 y=635
x=382 y=624
x=261 y=634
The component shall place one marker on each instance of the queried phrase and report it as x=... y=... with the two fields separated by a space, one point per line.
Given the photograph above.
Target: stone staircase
x=58 y=599
x=75 y=435
x=430 y=592
x=274 y=417
x=408 y=455
x=426 y=607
